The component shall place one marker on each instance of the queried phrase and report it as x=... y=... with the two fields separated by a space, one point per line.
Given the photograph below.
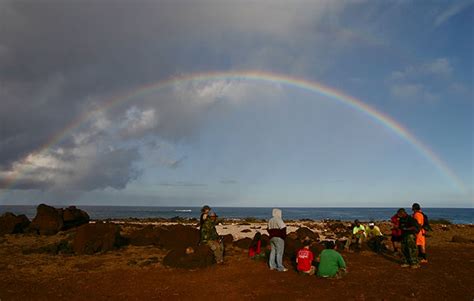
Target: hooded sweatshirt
x=276 y=226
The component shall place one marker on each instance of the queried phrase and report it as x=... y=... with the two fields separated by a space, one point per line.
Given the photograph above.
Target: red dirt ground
x=448 y=276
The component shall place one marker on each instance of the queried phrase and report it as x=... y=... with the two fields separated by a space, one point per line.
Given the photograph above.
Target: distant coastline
x=453 y=215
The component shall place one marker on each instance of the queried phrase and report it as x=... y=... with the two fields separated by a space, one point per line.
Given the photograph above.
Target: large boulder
x=178 y=237
x=11 y=223
x=73 y=217
x=228 y=239
x=146 y=236
x=48 y=220
x=190 y=258
x=304 y=232
x=98 y=237
x=291 y=247
x=243 y=243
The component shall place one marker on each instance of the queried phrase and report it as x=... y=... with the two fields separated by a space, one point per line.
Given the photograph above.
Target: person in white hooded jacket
x=277 y=232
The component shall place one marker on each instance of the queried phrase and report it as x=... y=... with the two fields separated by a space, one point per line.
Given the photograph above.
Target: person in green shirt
x=331 y=263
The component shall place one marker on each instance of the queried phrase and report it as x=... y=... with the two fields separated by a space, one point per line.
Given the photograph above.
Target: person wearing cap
x=409 y=227
x=420 y=236
x=358 y=235
x=331 y=262
x=204 y=212
x=277 y=232
x=210 y=237
x=374 y=237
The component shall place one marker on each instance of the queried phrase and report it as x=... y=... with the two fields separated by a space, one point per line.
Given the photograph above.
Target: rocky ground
x=40 y=267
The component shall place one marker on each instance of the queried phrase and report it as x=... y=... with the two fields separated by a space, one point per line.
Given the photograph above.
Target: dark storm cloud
x=61 y=59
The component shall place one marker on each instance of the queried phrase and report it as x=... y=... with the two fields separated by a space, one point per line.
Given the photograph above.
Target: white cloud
x=412 y=92
x=454 y=9
x=439 y=67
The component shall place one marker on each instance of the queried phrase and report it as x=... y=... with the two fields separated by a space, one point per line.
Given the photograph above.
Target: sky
x=113 y=103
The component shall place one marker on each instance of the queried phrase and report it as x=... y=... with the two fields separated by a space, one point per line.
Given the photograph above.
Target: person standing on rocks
x=277 y=232
x=210 y=237
x=409 y=227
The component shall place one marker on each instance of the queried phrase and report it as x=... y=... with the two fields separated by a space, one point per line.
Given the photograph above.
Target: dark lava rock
x=73 y=217
x=243 y=243
x=98 y=237
x=200 y=258
x=291 y=247
x=265 y=240
x=11 y=223
x=48 y=220
x=228 y=239
x=178 y=237
x=304 y=232
x=146 y=236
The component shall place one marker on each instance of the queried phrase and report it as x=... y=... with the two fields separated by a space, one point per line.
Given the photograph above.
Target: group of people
x=408 y=235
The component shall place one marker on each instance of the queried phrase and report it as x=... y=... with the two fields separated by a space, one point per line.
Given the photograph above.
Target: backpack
x=426 y=223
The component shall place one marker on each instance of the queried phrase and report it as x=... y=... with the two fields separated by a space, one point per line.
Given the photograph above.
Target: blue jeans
x=276 y=254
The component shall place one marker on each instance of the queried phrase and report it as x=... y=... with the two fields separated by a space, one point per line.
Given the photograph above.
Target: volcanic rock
x=200 y=258
x=227 y=239
x=178 y=237
x=291 y=247
x=304 y=232
x=243 y=243
x=11 y=223
x=48 y=220
x=146 y=236
x=98 y=237
x=73 y=217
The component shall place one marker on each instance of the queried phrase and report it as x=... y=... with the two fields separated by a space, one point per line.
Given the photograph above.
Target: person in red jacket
x=304 y=259
x=255 y=249
x=396 y=233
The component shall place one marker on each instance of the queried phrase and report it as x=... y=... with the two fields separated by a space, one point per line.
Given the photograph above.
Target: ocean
x=454 y=215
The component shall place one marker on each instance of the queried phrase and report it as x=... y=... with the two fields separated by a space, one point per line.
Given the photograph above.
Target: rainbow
x=258 y=76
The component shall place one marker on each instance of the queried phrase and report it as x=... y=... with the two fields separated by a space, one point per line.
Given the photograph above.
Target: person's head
x=306 y=243
x=257 y=236
x=213 y=215
x=401 y=212
x=415 y=207
x=205 y=209
x=357 y=223
x=276 y=212
x=371 y=224
x=329 y=244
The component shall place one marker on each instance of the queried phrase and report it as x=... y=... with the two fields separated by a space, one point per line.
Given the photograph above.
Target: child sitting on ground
x=304 y=259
